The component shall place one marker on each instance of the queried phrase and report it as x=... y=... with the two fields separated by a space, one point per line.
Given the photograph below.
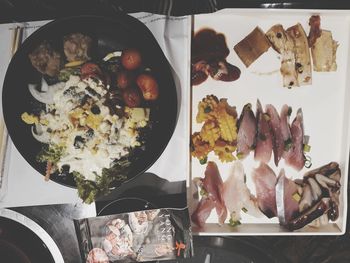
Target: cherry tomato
x=132 y=97
x=125 y=79
x=148 y=86
x=90 y=68
x=90 y=75
x=131 y=59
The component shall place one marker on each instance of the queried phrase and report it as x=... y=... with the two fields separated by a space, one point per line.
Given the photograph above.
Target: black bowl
x=110 y=34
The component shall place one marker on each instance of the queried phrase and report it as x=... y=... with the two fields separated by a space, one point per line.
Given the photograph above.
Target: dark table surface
x=318 y=249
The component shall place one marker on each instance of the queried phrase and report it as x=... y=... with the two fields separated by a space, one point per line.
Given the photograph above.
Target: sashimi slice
x=265 y=180
x=287 y=205
x=263 y=149
x=202 y=212
x=295 y=157
x=213 y=185
x=237 y=196
x=246 y=132
x=285 y=127
x=275 y=125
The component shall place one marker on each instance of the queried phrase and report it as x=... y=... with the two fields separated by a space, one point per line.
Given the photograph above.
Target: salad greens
x=88 y=190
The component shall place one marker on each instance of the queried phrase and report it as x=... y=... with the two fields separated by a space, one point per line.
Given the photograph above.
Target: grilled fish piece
x=284 y=45
x=324 y=52
x=301 y=54
x=252 y=46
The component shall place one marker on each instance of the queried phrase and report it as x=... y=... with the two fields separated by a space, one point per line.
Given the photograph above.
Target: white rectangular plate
x=325 y=105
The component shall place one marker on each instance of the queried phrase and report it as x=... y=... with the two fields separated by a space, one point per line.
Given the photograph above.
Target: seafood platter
x=270 y=122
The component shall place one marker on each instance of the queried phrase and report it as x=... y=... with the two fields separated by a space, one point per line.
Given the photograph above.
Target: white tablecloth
x=27 y=187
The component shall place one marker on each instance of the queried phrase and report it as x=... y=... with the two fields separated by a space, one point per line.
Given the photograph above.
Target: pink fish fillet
x=247 y=131
x=237 y=196
x=214 y=186
x=285 y=128
x=263 y=149
x=275 y=125
x=295 y=156
x=203 y=210
x=265 y=180
x=287 y=206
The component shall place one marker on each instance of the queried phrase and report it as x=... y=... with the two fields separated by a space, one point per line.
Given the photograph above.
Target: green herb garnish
x=234 y=223
x=202 y=192
x=307 y=148
x=90 y=190
x=288 y=144
x=207 y=109
x=203 y=160
x=51 y=153
x=240 y=156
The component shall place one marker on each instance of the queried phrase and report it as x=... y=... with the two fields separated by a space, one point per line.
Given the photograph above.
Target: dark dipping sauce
x=208 y=58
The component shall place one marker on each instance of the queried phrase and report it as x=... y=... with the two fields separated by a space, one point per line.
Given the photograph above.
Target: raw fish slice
x=275 y=125
x=295 y=156
x=265 y=180
x=202 y=212
x=285 y=126
x=246 y=132
x=263 y=149
x=214 y=186
x=237 y=196
x=287 y=206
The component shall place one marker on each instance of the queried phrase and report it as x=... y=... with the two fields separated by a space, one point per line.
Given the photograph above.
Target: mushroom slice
x=315 y=189
x=325 y=181
x=306 y=199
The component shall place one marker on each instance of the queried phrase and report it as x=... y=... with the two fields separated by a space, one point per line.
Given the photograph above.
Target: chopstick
x=17 y=35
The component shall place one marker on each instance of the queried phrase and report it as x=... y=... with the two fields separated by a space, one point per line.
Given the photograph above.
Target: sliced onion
x=47 y=92
x=112 y=55
x=39 y=134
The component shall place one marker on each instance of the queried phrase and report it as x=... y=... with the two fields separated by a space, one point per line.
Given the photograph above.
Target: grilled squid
x=320 y=196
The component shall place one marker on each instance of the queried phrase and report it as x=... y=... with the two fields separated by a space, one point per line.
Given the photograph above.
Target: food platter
x=110 y=36
x=323 y=104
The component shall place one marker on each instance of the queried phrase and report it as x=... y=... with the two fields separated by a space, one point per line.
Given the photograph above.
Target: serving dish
x=324 y=106
x=109 y=35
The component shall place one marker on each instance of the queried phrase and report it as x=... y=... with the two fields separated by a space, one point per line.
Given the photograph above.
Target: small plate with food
x=90 y=102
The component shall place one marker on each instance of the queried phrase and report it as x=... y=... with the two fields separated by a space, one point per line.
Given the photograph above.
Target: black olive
x=299 y=67
x=90 y=132
x=79 y=142
x=92 y=92
x=70 y=91
x=95 y=109
x=65 y=168
x=85 y=99
x=279 y=35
